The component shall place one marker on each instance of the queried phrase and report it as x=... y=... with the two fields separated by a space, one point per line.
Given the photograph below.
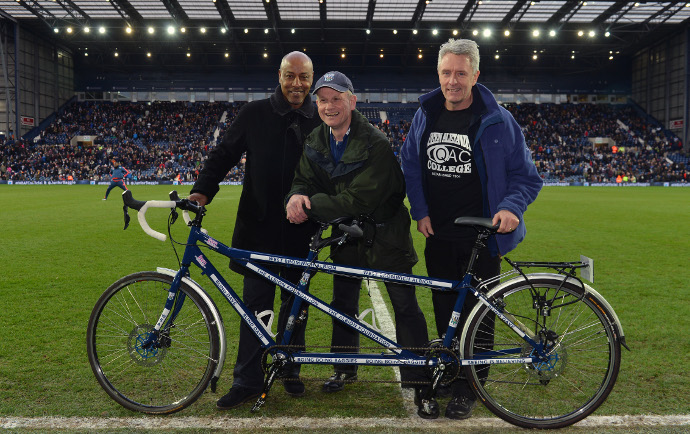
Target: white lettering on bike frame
x=497 y=361
x=324 y=307
x=360 y=361
x=484 y=300
x=162 y=319
x=394 y=277
x=237 y=306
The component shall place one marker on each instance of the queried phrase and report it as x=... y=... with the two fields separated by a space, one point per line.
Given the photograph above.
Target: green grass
x=62 y=246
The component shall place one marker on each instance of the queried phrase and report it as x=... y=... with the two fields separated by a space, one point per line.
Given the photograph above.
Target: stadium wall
x=660 y=83
x=37 y=78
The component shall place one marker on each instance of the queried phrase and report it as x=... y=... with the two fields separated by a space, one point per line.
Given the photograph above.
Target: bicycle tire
x=580 y=372
x=155 y=381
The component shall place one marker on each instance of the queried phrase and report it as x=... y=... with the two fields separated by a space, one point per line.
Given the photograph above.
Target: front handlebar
x=143 y=206
x=353 y=229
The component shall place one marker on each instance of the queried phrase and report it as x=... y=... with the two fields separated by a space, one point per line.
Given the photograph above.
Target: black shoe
x=426 y=408
x=460 y=407
x=293 y=386
x=337 y=382
x=237 y=396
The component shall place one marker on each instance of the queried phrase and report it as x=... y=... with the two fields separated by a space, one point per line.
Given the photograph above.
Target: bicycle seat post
x=483 y=234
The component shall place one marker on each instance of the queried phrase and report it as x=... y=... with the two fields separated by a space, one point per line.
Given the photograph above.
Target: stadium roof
x=363 y=32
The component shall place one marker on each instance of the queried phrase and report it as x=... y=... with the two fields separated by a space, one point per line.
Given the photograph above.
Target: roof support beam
x=467 y=13
x=230 y=23
x=176 y=12
x=416 y=19
x=322 y=20
x=274 y=18
x=564 y=13
x=608 y=13
x=127 y=12
x=514 y=11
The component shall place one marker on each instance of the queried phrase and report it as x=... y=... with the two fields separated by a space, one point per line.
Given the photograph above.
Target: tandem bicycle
x=540 y=349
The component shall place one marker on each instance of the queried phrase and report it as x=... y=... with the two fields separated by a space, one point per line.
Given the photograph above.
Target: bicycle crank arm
x=273 y=373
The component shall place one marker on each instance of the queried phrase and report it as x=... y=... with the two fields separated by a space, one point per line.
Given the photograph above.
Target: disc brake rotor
x=150 y=356
x=546 y=370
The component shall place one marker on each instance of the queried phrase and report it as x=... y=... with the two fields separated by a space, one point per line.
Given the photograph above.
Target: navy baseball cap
x=335 y=80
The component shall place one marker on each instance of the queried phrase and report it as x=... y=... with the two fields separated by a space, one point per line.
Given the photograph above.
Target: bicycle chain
x=265 y=354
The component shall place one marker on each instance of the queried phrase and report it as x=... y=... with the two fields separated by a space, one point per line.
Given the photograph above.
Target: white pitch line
x=388 y=330
x=254 y=423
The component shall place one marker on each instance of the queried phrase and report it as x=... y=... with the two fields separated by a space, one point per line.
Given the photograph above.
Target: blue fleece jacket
x=508 y=176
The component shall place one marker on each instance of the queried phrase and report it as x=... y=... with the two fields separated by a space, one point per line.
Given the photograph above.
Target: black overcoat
x=272 y=135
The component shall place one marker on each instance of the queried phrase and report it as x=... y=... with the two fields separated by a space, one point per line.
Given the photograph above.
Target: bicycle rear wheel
x=582 y=367
x=162 y=379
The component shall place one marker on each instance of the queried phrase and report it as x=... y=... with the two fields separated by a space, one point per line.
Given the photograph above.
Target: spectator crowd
x=164 y=141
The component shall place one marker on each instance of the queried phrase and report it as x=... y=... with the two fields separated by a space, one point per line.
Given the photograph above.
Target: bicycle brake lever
x=124 y=208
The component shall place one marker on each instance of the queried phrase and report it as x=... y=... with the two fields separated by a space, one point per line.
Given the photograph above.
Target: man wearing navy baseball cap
x=335 y=80
x=348 y=169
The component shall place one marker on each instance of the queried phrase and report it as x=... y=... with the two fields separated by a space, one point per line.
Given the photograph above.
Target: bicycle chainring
x=449 y=362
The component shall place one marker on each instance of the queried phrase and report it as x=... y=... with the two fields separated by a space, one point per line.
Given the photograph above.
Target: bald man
x=271 y=132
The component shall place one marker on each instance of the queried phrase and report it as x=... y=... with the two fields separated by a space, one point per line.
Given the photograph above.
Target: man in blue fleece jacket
x=465 y=155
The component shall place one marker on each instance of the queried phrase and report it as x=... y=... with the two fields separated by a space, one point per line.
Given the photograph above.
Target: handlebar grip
x=353 y=230
x=129 y=200
x=142 y=216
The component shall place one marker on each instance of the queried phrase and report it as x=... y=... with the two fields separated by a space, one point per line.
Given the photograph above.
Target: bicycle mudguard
x=216 y=317
x=588 y=290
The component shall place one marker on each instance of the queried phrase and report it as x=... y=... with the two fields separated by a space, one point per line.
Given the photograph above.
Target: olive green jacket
x=366 y=181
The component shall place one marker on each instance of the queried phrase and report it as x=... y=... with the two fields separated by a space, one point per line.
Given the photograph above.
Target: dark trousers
x=446 y=259
x=114 y=184
x=258 y=295
x=410 y=328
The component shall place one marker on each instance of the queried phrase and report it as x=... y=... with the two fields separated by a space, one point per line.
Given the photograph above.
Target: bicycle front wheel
x=162 y=378
x=583 y=357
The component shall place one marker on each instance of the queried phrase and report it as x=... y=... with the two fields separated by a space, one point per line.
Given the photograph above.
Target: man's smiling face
x=456 y=76
x=335 y=108
x=295 y=78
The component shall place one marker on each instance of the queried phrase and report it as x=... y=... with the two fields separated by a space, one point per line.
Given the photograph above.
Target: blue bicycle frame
x=552 y=330
x=400 y=357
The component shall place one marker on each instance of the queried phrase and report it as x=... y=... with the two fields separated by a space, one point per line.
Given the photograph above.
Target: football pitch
x=62 y=246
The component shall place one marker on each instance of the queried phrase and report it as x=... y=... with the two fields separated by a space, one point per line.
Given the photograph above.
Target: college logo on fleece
x=449 y=155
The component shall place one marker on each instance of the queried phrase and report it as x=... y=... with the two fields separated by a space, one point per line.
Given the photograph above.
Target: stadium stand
x=163 y=140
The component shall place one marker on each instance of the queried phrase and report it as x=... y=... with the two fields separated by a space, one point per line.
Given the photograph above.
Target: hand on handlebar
x=199 y=198
x=295 y=208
